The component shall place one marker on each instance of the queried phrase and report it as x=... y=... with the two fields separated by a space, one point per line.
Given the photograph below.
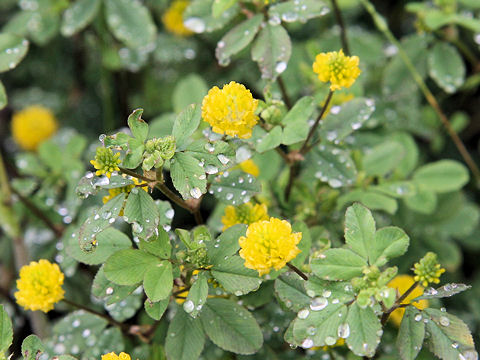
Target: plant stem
x=343 y=29
x=124 y=327
x=298 y=271
x=381 y=24
x=283 y=89
x=398 y=302
x=135 y=175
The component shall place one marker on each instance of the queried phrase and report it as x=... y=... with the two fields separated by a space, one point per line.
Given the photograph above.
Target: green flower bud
x=428 y=270
x=167 y=147
x=106 y=161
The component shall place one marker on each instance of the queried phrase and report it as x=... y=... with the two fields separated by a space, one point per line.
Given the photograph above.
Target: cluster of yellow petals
x=113 y=356
x=230 y=110
x=249 y=167
x=402 y=283
x=32 y=126
x=247 y=213
x=39 y=286
x=334 y=67
x=269 y=244
x=124 y=189
x=173 y=18
x=106 y=162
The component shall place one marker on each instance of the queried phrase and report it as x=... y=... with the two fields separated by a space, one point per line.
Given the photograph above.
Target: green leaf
x=127 y=267
x=442 y=176
x=446 y=67
x=398 y=189
x=411 y=334
x=390 y=242
x=189 y=90
x=109 y=241
x=270 y=140
x=134 y=155
x=156 y=309
x=142 y=213
x=383 y=158
x=372 y=199
x=220 y=6
x=78 y=16
x=185 y=337
x=6 y=331
x=360 y=230
x=304 y=245
x=159 y=246
x=338 y=264
x=424 y=201
x=226 y=244
x=197 y=295
x=231 y=327
x=289 y=289
x=12 y=50
x=365 y=330
x=272 y=50
x=410 y=160
x=333 y=166
x=343 y=120
x=450 y=337
x=99 y=221
x=32 y=347
x=104 y=289
x=235 y=187
x=198 y=16
x=185 y=125
x=234 y=277
x=300 y=10
x=188 y=176
x=237 y=39
x=210 y=153
x=443 y=291
x=3 y=96
x=128 y=307
x=130 y=22
x=336 y=291
x=158 y=281
x=137 y=125
x=296 y=121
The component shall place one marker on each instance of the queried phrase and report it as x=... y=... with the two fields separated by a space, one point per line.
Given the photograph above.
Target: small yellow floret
x=39 y=286
x=402 y=283
x=32 y=126
x=269 y=244
x=113 y=356
x=244 y=214
x=249 y=167
x=230 y=110
x=173 y=18
x=336 y=68
x=106 y=162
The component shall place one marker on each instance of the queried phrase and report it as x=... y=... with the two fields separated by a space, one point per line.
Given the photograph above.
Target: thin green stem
x=283 y=89
x=343 y=29
x=398 y=302
x=298 y=271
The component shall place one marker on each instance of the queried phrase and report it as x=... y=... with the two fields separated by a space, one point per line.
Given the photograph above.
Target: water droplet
x=196 y=193
x=223 y=159
x=280 y=67
x=318 y=304
x=418 y=317
x=109 y=291
x=229 y=196
x=330 y=340
x=195 y=24
x=188 y=306
x=169 y=214
x=307 y=343
x=444 y=321
x=343 y=331
x=303 y=314
x=211 y=169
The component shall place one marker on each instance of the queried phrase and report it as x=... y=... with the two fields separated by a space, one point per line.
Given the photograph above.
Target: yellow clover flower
x=269 y=244
x=428 y=270
x=32 y=126
x=244 y=214
x=249 y=167
x=124 y=189
x=106 y=161
x=113 y=356
x=173 y=18
x=230 y=110
x=402 y=283
x=39 y=286
x=336 y=68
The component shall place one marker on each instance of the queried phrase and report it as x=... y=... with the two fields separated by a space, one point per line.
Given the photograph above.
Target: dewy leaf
x=104 y=289
x=411 y=334
x=3 y=96
x=298 y=10
x=272 y=50
x=383 y=158
x=390 y=242
x=198 y=16
x=12 y=51
x=158 y=281
x=220 y=6
x=78 y=16
x=365 y=330
x=289 y=289
x=443 y=291
x=424 y=201
x=32 y=347
x=226 y=244
x=159 y=246
x=197 y=295
x=214 y=156
x=237 y=39
x=137 y=125
x=442 y=176
x=6 y=332
x=130 y=22
x=235 y=187
x=234 y=277
x=333 y=165
x=270 y=140
x=360 y=230
x=156 y=309
x=338 y=264
x=188 y=176
x=185 y=337
x=372 y=199
x=231 y=327
x=446 y=67
x=336 y=291
x=142 y=213
x=296 y=121
x=450 y=337
x=185 y=125
x=127 y=267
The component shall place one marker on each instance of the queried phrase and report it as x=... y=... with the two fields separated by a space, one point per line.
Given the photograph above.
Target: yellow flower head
x=113 y=356
x=428 y=270
x=230 y=110
x=249 y=167
x=339 y=342
x=39 y=286
x=124 y=189
x=173 y=18
x=106 y=161
x=244 y=214
x=269 y=244
x=336 y=68
x=402 y=283
x=33 y=125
